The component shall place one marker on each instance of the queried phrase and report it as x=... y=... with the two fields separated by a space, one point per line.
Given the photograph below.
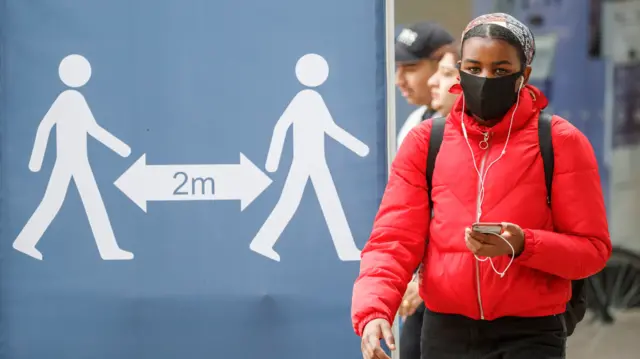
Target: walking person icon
x=309 y=116
x=73 y=119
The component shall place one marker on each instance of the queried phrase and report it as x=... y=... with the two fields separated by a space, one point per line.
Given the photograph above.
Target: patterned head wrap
x=520 y=30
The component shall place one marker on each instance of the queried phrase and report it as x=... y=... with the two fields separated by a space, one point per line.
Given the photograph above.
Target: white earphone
x=482 y=178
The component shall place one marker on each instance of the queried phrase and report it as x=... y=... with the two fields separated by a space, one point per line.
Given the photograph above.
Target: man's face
x=411 y=79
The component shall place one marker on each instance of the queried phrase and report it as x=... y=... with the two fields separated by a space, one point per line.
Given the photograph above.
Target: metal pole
x=391 y=90
x=391 y=116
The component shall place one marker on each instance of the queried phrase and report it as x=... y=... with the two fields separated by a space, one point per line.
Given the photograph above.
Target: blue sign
x=187 y=180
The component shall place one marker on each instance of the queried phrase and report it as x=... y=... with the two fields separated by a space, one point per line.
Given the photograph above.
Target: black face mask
x=489 y=98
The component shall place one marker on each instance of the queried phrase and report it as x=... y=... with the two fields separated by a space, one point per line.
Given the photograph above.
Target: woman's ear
x=526 y=73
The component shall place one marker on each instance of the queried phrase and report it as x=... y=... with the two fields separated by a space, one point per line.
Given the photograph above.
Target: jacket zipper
x=484 y=145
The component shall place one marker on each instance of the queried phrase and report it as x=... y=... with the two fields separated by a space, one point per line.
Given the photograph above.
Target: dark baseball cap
x=420 y=40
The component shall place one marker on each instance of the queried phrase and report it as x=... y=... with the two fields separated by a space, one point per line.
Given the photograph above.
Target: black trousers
x=410 y=334
x=446 y=336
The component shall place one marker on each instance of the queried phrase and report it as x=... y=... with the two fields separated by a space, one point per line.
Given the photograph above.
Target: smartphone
x=495 y=228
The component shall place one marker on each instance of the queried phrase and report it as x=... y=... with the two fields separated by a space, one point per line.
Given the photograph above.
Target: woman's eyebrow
x=494 y=63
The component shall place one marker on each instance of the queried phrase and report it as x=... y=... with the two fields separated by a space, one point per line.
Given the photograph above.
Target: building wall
x=453 y=15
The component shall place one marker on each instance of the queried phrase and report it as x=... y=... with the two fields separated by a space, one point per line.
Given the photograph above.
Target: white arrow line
x=143 y=183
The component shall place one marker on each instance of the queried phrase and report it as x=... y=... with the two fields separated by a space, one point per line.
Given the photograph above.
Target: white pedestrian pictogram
x=74 y=122
x=309 y=116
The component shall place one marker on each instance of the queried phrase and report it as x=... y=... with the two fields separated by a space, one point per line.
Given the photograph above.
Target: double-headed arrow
x=143 y=183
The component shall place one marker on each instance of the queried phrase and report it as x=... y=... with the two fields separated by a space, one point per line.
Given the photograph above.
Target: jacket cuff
x=363 y=323
x=529 y=246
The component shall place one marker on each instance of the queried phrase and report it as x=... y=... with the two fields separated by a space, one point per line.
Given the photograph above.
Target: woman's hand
x=491 y=245
x=374 y=331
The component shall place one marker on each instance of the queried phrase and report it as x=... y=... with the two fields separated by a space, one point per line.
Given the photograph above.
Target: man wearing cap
x=419 y=48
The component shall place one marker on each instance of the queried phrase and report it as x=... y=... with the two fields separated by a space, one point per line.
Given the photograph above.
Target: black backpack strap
x=435 y=140
x=546 y=149
x=577 y=305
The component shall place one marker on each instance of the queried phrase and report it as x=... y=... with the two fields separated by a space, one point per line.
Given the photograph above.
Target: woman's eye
x=473 y=70
x=501 y=72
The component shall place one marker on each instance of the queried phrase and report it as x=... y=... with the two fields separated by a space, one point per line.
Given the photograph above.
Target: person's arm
x=94 y=129
x=346 y=139
x=580 y=245
x=399 y=235
x=107 y=138
x=42 y=135
x=279 y=136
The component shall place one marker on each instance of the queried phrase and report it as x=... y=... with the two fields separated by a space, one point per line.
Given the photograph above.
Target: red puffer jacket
x=568 y=241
